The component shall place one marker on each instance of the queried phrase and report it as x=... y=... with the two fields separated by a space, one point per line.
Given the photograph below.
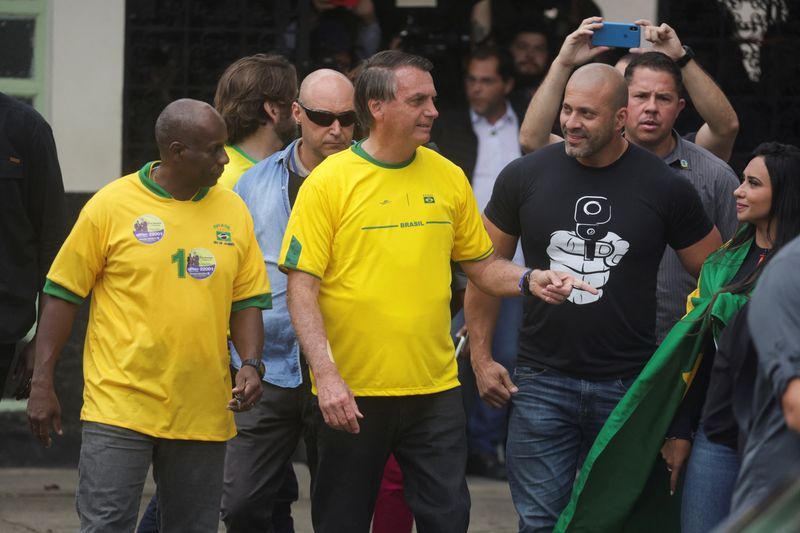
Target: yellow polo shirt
x=380 y=238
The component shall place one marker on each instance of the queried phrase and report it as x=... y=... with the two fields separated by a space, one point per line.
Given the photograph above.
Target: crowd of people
x=299 y=260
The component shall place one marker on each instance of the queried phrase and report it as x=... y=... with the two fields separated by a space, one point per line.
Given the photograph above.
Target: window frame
x=34 y=87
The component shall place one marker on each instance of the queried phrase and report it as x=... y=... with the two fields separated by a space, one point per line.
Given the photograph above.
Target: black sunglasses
x=326 y=118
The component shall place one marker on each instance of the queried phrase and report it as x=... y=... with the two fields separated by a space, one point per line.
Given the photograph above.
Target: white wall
x=86 y=72
x=628 y=10
x=86 y=67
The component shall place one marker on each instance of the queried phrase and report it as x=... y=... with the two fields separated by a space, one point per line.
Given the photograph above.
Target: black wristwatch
x=685 y=58
x=524 y=283
x=258 y=364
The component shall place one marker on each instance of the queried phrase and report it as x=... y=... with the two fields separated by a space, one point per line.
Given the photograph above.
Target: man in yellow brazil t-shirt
x=367 y=250
x=171 y=261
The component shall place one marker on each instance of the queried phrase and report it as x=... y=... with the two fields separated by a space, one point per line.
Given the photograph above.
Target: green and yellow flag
x=623 y=485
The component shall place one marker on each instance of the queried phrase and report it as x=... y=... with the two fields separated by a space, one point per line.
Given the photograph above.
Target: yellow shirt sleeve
x=82 y=256
x=252 y=281
x=309 y=234
x=471 y=242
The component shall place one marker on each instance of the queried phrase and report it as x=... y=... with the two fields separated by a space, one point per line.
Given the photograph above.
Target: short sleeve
x=251 y=285
x=503 y=207
x=688 y=222
x=471 y=242
x=309 y=234
x=80 y=260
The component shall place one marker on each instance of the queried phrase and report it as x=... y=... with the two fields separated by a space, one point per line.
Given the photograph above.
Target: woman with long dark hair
x=668 y=396
x=768 y=209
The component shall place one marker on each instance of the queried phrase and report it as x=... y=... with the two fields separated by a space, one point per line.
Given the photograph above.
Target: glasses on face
x=326 y=118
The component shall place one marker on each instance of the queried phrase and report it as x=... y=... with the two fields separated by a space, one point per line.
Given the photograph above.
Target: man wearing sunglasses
x=268 y=436
x=367 y=250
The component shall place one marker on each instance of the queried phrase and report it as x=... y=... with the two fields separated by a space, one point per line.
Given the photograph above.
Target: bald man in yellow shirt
x=171 y=262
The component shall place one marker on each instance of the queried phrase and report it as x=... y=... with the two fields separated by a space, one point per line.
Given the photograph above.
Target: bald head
x=603 y=80
x=593 y=114
x=184 y=120
x=325 y=82
x=326 y=123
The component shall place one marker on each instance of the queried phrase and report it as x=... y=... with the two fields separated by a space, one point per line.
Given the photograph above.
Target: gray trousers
x=256 y=458
x=112 y=471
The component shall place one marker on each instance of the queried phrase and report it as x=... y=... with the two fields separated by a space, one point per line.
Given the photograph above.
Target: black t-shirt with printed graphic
x=608 y=226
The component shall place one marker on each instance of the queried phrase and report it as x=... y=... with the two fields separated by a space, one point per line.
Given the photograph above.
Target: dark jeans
x=426 y=433
x=553 y=423
x=259 y=481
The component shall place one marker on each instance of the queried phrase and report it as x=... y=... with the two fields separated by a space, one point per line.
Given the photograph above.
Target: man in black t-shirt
x=602 y=211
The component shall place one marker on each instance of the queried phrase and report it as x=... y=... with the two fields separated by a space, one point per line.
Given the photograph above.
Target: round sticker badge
x=148 y=229
x=201 y=263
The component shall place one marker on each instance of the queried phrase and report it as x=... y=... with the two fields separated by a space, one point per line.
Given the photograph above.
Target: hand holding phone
x=617 y=35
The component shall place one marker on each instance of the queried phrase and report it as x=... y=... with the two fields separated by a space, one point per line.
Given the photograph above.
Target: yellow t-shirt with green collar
x=380 y=238
x=165 y=276
x=238 y=163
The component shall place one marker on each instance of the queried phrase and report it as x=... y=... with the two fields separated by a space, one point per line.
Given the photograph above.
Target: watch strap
x=524 y=283
x=258 y=364
x=686 y=57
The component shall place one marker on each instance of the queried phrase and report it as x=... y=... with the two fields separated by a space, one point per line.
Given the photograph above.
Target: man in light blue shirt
x=268 y=435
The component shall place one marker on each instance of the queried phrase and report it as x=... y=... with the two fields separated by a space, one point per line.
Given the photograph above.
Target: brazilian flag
x=623 y=485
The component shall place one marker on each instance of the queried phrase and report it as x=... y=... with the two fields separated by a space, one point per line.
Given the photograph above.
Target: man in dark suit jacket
x=482 y=138
x=488 y=82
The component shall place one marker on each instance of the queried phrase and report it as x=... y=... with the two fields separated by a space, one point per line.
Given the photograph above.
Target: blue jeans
x=553 y=422
x=486 y=426
x=708 y=485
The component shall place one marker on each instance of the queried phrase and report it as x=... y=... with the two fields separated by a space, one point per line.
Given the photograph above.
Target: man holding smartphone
x=655 y=88
x=602 y=208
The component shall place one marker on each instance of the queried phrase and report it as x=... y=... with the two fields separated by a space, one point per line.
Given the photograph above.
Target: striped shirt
x=715 y=181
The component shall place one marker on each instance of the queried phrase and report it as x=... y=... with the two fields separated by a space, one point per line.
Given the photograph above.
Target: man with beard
x=172 y=262
x=603 y=210
x=655 y=88
x=530 y=49
x=254 y=96
x=268 y=434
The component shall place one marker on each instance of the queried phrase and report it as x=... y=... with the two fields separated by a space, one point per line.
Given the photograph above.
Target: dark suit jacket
x=452 y=132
